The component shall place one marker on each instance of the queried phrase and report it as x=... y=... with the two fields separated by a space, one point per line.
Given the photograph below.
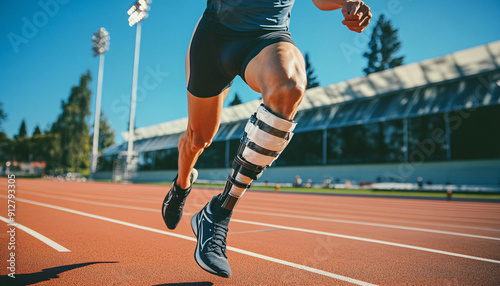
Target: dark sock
x=217 y=203
x=220 y=214
x=179 y=189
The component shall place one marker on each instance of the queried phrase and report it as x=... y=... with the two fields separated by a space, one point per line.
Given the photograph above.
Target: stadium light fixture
x=137 y=13
x=100 y=44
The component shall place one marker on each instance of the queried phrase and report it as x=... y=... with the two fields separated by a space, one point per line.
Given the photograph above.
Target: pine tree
x=22 y=130
x=106 y=133
x=37 y=131
x=236 y=100
x=6 y=148
x=383 y=47
x=71 y=128
x=6 y=144
x=3 y=115
x=312 y=79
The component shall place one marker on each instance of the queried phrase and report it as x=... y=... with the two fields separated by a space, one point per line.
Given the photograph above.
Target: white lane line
x=369 y=240
x=386 y=215
x=283 y=215
x=306 y=268
x=376 y=225
x=37 y=235
x=441 y=205
x=78 y=195
x=245 y=252
x=91 y=202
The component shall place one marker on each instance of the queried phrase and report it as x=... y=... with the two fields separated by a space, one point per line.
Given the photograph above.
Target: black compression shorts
x=216 y=59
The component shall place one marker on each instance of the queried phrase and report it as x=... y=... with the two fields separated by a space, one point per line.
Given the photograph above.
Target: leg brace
x=266 y=136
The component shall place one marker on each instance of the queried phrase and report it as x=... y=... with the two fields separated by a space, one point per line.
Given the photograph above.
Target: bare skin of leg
x=278 y=73
x=204 y=118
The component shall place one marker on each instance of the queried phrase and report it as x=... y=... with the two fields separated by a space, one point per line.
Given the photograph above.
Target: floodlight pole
x=131 y=127
x=100 y=45
x=97 y=118
x=137 y=13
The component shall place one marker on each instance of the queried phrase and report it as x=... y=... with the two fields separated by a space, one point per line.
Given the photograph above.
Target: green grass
x=354 y=191
x=25 y=176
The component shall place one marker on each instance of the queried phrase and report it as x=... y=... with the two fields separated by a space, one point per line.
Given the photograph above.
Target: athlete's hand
x=357 y=15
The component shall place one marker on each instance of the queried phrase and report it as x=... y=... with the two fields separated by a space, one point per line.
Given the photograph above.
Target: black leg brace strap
x=268 y=128
x=248 y=169
x=236 y=183
x=257 y=148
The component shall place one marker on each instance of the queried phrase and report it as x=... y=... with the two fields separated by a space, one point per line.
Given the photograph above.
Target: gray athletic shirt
x=226 y=16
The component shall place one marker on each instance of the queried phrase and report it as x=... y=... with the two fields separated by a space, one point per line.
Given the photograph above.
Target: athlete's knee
x=195 y=141
x=285 y=97
x=200 y=141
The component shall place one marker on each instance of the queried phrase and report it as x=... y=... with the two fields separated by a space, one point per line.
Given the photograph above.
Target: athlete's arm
x=328 y=5
x=356 y=13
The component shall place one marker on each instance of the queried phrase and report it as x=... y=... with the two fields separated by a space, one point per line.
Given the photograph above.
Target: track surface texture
x=113 y=234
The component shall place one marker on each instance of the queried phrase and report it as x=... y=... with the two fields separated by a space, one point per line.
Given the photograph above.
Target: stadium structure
x=435 y=121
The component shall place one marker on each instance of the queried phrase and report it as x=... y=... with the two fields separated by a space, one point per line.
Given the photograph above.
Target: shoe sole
x=197 y=258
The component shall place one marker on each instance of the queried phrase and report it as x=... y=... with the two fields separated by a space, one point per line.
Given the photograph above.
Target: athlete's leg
x=203 y=123
x=278 y=73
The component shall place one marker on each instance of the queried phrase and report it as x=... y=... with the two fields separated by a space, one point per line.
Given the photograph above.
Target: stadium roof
x=431 y=86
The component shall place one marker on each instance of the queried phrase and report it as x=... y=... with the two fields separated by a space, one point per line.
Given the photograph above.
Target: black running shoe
x=173 y=203
x=210 y=251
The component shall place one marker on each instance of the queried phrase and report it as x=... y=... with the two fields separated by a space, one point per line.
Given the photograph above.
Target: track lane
x=374 y=216
x=358 y=264
x=465 y=247
x=287 y=211
x=98 y=201
x=348 y=257
x=443 y=243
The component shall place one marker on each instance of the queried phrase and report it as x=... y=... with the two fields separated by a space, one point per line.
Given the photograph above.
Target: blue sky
x=46 y=48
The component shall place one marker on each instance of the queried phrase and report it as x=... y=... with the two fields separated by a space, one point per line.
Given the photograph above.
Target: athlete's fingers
x=356 y=26
x=351 y=8
x=352 y=17
x=365 y=21
x=366 y=16
x=359 y=21
x=355 y=7
x=363 y=11
x=352 y=25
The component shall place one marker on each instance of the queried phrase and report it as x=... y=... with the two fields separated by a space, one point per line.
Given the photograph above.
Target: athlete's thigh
x=274 y=65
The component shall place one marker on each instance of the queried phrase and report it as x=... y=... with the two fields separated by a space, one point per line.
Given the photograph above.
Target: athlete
x=248 y=38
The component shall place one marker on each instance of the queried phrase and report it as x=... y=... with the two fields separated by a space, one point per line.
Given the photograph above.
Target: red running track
x=112 y=234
